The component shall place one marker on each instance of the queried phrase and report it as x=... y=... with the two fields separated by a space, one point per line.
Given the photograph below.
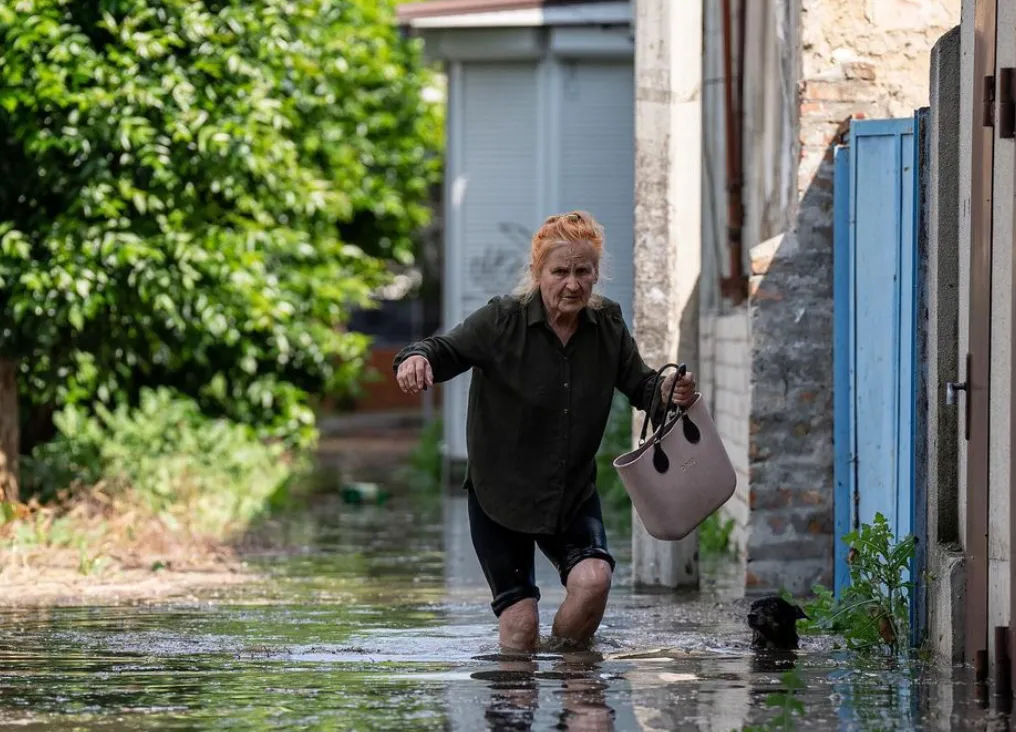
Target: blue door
x=874 y=322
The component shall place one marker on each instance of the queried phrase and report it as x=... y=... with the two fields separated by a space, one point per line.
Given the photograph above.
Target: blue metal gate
x=875 y=324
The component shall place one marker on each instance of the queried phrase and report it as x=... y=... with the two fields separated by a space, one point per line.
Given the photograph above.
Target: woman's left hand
x=684 y=394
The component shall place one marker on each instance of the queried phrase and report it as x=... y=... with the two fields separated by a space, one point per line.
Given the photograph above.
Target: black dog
x=773 y=623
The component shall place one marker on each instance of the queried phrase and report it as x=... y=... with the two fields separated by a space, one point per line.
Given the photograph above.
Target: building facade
x=774 y=106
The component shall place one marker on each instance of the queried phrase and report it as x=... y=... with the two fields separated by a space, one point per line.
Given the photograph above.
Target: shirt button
x=566 y=385
x=566 y=411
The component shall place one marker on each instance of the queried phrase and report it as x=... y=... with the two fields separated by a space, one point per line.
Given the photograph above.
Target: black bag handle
x=682 y=369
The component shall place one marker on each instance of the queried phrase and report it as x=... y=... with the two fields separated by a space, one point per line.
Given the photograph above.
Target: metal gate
x=874 y=329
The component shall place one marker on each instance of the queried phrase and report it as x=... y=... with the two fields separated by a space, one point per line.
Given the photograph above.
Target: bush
x=195 y=193
x=167 y=458
x=873 y=612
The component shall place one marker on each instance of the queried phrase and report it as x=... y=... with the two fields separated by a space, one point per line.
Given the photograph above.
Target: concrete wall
x=1000 y=381
x=937 y=350
x=668 y=252
x=952 y=81
x=866 y=59
x=965 y=191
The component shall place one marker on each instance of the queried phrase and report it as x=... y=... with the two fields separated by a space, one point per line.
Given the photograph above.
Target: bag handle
x=682 y=369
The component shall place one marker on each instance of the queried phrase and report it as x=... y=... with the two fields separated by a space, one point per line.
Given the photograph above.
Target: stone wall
x=855 y=59
x=944 y=558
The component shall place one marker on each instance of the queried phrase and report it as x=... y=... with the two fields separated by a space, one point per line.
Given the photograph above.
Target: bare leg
x=585 y=600
x=519 y=626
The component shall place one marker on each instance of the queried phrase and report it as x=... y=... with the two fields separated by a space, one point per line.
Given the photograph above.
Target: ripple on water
x=357 y=634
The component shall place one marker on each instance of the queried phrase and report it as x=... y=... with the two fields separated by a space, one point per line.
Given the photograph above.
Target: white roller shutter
x=597 y=165
x=497 y=169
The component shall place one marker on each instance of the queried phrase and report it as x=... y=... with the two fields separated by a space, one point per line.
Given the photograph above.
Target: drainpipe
x=734 y=287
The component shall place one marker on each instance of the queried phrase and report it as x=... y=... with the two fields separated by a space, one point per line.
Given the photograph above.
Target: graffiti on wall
x=497 y=268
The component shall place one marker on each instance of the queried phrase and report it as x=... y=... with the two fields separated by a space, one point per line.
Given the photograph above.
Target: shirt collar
x=536 y=313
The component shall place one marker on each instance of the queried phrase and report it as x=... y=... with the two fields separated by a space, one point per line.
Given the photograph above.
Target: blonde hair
x=557 y=231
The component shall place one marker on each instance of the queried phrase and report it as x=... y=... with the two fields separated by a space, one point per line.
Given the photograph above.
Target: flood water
x=383 y=623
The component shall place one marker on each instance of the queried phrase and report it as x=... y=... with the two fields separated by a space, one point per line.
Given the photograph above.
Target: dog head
x=773 y=622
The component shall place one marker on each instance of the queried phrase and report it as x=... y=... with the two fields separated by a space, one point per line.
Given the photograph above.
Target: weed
x=714 y=536
x=874 y=611
x=89 y=563
x=161 y=470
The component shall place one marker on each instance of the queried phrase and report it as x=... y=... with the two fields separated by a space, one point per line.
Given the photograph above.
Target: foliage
x=195 y=194
x=616 y=441
x=424 y=470
x=714 y=535
x=874 y=611
x=169 y=458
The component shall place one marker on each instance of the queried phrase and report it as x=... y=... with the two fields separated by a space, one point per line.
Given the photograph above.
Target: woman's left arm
x=634 y=378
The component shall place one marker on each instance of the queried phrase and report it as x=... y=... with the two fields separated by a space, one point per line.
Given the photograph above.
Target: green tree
x=195 y=193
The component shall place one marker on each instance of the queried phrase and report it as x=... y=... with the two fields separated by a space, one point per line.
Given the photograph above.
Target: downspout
x=735 y=286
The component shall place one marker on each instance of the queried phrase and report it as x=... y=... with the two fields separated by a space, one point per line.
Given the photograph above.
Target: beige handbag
x=683 y=473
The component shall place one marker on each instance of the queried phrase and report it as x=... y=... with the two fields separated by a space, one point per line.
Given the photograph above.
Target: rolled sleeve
x=465 y=346
x=635 y=379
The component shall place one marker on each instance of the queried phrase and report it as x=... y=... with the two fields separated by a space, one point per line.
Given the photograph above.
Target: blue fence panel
x=843 y=468
x=874 y=328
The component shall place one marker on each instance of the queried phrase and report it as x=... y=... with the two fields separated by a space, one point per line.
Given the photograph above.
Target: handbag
x=683 y=473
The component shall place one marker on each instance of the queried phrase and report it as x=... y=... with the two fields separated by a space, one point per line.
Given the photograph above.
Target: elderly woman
x=545 y=363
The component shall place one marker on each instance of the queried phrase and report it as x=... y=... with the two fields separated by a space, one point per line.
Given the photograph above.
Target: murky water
x=382 y=623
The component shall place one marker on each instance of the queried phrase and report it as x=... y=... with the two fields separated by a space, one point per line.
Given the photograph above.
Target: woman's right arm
x=460 y=349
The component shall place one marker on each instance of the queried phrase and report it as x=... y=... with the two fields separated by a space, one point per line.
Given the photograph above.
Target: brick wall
x=725 y=368
x=856 y=59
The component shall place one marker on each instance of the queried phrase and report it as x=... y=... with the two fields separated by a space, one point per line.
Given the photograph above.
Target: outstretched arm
x=446 y=356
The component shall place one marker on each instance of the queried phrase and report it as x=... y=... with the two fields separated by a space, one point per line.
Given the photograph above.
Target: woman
x=545 y=362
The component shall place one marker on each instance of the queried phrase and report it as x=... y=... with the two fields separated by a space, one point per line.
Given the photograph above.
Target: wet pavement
x=382 y=623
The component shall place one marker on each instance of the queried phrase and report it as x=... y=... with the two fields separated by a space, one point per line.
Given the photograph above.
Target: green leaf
x=200 y=199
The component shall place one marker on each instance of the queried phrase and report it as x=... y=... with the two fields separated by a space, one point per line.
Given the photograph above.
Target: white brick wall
x=723 y=376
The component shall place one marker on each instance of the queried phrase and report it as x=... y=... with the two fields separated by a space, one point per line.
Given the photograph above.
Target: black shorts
x=508 y=558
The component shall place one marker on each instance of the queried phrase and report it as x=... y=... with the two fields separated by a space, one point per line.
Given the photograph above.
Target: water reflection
x=514 y=687
x=383 y=623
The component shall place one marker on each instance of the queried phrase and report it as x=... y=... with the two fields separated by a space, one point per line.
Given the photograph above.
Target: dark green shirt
x=537 y=409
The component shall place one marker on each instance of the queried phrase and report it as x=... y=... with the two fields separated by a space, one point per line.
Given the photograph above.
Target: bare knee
x=590 y=580
x=519 y=625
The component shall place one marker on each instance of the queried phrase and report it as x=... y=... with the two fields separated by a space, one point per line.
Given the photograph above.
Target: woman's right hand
x=414 y=375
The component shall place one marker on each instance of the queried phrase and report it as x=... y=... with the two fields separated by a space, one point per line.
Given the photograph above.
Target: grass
x=136 y=486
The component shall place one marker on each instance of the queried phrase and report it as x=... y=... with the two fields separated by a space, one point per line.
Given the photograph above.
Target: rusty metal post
x=1003 y=669
x=735 y=286
x=981 y=666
